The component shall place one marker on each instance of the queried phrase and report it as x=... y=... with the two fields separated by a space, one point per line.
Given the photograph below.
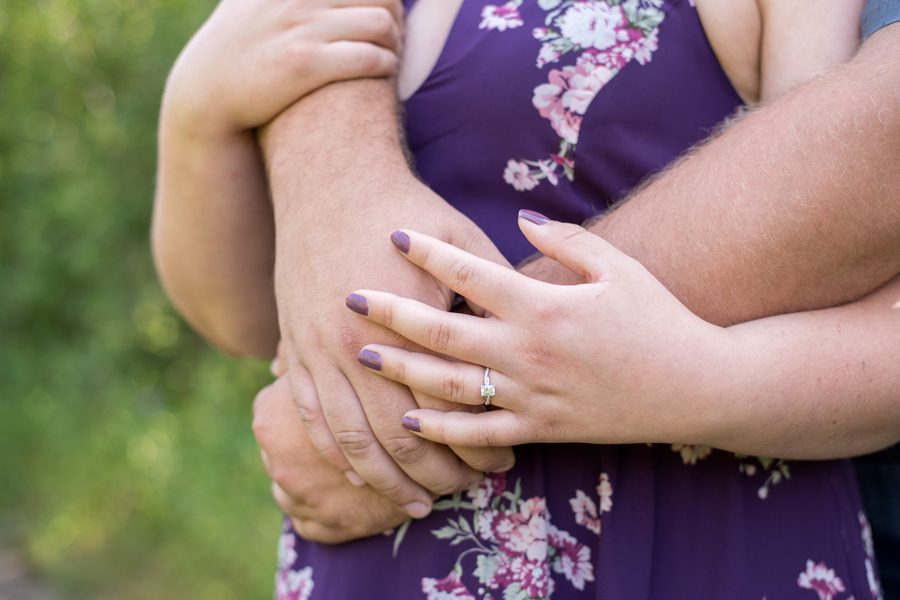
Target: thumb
x=572 y=246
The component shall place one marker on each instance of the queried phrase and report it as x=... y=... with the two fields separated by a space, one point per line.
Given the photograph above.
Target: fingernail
x=401 y=241
x=275 y=367
x=357 y=304
x=412 y=424
x=369 y=358
x=417 y=510
x=353 y=478
x=533 y=217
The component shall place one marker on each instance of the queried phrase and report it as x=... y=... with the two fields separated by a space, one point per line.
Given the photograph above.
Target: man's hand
x=322 y=504
x=340 y=186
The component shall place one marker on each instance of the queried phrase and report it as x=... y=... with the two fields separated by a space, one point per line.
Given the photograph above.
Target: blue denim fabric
x=879 y=480
x=879 y=13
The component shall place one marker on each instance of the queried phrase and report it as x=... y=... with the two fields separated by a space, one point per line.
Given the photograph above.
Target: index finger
x=497 y=288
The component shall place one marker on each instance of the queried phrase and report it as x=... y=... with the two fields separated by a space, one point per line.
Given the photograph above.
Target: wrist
x=706 y=398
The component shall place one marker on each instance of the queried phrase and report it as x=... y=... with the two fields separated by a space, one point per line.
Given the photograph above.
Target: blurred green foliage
x=127 y=465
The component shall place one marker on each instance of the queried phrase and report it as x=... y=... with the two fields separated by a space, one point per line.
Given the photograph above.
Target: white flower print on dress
x=291 y=584
x=501 y=18
x=604 y=36
x=819 y=578
x=605 y=491
x=591 y=24
x=691 y=453
x=448 y=588
x=586 y=511
x=518 y=175
x=294 y=585
x=869 y=546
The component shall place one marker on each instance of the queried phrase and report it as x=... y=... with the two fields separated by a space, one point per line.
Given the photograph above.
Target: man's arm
x=341 y=185
x=795 y=207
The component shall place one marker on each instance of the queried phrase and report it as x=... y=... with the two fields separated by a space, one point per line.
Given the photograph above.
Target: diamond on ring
x=488 y=391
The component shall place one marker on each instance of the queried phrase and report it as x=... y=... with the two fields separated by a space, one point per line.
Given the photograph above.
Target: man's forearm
x=344 y=136
x=795 y=207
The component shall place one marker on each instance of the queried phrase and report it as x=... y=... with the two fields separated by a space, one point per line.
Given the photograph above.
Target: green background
x=127 y=464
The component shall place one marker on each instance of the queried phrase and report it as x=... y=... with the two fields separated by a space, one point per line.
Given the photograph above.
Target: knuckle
x=447 y=486
x=355 y=443
x=484 y=436
x=381 y=20
x=462 y=275
x=439 y=336
x=351 y=340
x=301 y=53
x=538 y=355
x=367 y=58
x=453 y=387
x=406 y=449
x=309 y=414
x=490 y=460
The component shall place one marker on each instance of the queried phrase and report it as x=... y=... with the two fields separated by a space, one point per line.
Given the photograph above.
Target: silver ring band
x=488 y=391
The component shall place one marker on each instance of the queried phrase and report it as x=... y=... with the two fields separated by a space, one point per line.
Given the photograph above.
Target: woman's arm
x=620 y=360
x=213 y=236
x=820 y=384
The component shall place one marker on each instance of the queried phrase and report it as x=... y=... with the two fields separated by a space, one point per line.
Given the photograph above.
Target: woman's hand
x=254 y=58
x=615 y=360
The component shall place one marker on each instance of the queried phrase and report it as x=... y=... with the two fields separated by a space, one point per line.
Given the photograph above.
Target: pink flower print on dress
x=585 y=511
x=450 y=587
x=821 y=579
x=605 y=35
x=501 y=18
x=573 y=560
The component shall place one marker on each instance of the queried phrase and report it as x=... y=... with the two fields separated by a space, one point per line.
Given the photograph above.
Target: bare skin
x=709 y=297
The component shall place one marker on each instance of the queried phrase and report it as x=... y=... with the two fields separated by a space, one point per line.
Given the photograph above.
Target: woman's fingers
x=493 y=428
x=362 y=24
x=496 y=288
x=571 y=245
x=483 y=460
x=457 y=382
x=464 y=337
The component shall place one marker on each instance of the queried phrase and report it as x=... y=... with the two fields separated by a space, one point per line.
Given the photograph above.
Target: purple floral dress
x=562 y=106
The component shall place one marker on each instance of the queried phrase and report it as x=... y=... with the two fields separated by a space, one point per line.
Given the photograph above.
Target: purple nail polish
x=411 y=423
x=369 y=358
x=534 y=217
x=401 y=240
x=357 y=304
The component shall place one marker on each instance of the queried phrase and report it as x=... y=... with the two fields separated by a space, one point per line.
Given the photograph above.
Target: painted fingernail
x=357 y=304
x=412 y=424
x=369 y=358
x=353 y=478
x=401 y=241
x=533 y=217
x=417 y=510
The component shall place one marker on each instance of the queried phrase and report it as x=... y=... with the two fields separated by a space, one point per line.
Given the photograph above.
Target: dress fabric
x=563 y=107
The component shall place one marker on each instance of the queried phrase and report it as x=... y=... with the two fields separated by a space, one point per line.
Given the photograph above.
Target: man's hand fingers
x=348 y=423
x=309 y=409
